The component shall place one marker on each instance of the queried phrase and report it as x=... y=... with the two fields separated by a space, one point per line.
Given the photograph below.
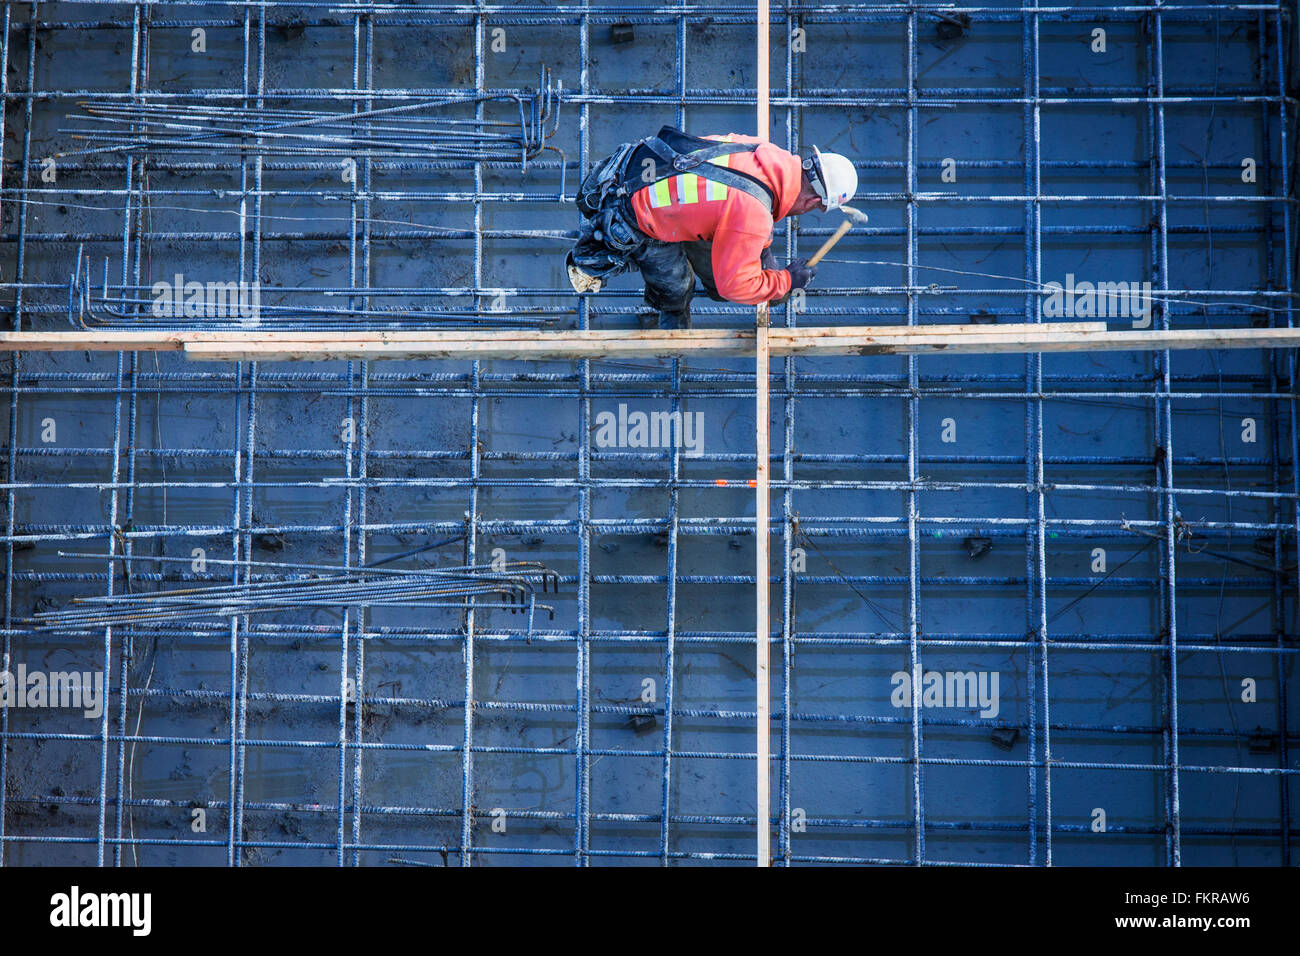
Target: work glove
x=801 y=273
x=768 y=260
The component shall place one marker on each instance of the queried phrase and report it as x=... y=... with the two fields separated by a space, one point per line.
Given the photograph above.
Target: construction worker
x=678 y=206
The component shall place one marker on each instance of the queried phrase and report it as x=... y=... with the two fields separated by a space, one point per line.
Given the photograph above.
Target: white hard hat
x=839 y=180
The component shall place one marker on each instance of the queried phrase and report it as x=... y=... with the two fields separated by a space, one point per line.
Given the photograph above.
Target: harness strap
x=695 y=157
x=698 y=162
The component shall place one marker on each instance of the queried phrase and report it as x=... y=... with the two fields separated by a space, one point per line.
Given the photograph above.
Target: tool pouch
x=595 y=189
x=607 y=238
x=594 y=259
x=616 y=232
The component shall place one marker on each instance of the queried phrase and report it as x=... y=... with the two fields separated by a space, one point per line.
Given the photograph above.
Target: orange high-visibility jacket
x=687 y=208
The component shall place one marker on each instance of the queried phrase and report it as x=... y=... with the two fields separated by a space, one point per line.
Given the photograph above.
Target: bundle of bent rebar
x=513 y=584
x=433 y=129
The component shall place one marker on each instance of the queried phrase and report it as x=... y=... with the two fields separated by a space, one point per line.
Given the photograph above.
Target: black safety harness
x=674 y=152
x=642 y=164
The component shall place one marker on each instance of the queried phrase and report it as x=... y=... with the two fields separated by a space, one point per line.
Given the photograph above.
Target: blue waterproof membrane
x=1104 y=544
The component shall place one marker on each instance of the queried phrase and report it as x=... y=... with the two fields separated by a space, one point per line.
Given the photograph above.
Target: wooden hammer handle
x=836 y=236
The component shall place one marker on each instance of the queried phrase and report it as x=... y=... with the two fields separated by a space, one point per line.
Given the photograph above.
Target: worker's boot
x=669 y=282
x=675 y=319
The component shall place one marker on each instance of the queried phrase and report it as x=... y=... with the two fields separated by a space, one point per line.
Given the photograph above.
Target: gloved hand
x=768 y=260
x=801 y=273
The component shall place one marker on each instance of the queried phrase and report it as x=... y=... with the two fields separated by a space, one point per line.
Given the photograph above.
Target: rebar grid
x=870 y=519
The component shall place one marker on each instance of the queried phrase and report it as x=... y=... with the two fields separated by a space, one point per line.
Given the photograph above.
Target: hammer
x=854 y=216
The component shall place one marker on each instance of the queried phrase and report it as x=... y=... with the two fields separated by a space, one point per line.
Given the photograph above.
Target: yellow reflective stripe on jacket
x=659 y=195
x=688 y=188
x=718 y=190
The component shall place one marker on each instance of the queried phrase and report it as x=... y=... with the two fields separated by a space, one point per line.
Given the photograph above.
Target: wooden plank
x=806 y=341
x=536 y=345
x=557 y=349
x=762 y=500
x=559 y=346
x=147 y=341
x=848 y=331
x=815 y=342
x=679 y=340
x=762 y=569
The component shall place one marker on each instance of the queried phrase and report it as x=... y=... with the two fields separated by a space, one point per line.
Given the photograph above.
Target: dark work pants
x=669 y=270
